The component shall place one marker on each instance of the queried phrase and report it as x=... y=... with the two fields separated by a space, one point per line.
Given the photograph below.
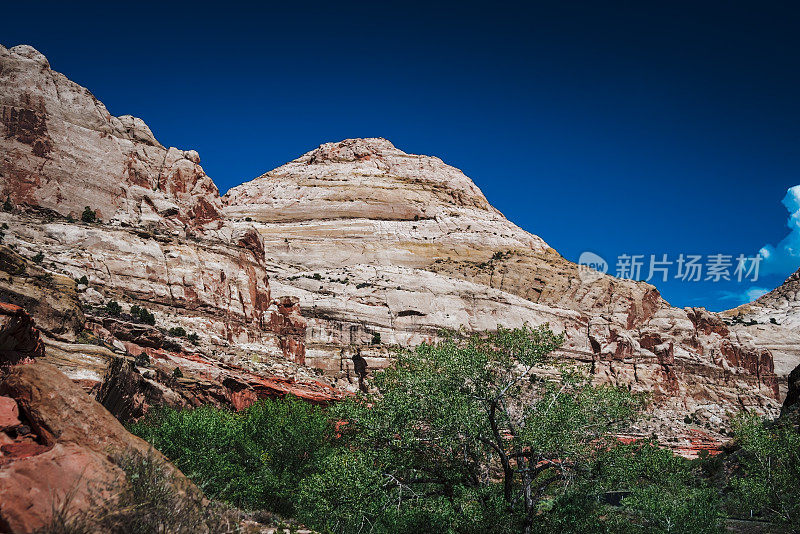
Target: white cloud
x=784 y=258
x=744 y=297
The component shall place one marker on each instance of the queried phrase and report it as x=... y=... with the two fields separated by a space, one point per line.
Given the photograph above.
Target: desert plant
x=113 y=308
x=142 y=315
x=177 y=331
x=88 y=215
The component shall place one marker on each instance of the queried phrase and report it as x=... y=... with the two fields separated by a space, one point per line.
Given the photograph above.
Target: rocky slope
x=772 y=322
x=323 y=265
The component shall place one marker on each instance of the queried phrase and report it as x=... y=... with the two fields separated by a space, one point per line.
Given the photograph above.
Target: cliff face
x=328 y=262
x=772 y=322
x=159 y=242
x=63 y=151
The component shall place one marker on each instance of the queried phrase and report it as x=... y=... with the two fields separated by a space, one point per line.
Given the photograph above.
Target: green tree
x=88 y=215
x=767 y=470
x=451 y=419
x=253 y=459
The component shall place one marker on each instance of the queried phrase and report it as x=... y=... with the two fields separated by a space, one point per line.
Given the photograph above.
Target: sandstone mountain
x=312 y=273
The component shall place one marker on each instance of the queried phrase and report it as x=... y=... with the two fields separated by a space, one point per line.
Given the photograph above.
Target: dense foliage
x=253 y=459
x=464 y=436
x=766 y=473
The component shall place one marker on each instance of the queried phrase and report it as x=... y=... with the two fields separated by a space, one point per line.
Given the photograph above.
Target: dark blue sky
x=615 y=128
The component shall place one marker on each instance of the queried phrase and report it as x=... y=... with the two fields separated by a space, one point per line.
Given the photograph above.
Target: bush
x=113 y=308
x=83 y=280
x=253 y=459
x=193 y=338
x=88 y=215
x=177 y=373
x=143 y=315
x=7 y=205
x=376 y=338
x=177 y=331
x=39 y=257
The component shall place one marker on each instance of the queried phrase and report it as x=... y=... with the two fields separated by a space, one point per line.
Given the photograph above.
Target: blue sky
x=616 y=128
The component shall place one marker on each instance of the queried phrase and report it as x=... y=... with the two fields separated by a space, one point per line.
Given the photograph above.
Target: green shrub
x=177 y=331
x=143 y=315
x=376 y=338
x=113 y=308
x=88 y=215
x=39 y=257
x=177 y=373
x=83 y=280
x=193 y=338
x=253 y=459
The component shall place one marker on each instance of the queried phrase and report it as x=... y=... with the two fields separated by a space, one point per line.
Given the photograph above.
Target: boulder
x=70 y=457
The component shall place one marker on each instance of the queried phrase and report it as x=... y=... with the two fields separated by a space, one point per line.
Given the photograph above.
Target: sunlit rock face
x=772 y=322
x=64 y=151
x=372 y=240
x=318 y=270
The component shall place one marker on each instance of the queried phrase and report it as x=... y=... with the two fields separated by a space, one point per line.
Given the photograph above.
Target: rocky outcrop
x=376 y=244
x=62 y=452
x=63 y=151
x=50 y=297
x=772 y=323
x=131 y=387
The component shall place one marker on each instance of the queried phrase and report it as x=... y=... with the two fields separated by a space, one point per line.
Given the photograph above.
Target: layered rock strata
x=324 y=265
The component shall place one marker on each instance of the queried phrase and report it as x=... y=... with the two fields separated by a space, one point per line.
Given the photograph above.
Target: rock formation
x=308 y=276
x=57 y=445
x=371 y=240
x=63 y=151
x=772 y=322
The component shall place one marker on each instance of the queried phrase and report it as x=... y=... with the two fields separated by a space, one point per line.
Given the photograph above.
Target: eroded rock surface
x=325 y=265
x=379 y=244
x=63 y=150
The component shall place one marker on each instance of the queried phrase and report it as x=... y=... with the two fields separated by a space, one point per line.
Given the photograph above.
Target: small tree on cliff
x=88 y=215
x=450 y=420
